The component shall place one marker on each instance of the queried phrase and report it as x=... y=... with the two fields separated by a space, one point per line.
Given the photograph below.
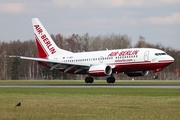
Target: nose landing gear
x=155 y=76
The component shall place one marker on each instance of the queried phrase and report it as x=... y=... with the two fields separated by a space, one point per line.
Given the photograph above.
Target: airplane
x=131 y=61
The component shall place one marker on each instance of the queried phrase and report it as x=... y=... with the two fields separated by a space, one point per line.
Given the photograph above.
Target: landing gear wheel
x=155 y=76
x=111 y=80
x=89 y=79
x=108 y=80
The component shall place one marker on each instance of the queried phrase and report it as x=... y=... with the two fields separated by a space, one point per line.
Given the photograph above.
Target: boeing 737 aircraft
x=132 y=61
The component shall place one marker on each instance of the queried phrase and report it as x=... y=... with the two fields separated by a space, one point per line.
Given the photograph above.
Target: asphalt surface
x=90 y=86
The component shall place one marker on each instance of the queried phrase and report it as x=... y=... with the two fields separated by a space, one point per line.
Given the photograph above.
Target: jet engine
x=137 y=73
x=100 y=70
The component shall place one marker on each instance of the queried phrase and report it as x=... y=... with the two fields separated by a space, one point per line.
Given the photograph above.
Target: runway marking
x=86 y=86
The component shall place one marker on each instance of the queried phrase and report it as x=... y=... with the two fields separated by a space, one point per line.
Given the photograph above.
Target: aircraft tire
x=89 y=80
x=155 y=76
x=110 y=80
x=113 y=80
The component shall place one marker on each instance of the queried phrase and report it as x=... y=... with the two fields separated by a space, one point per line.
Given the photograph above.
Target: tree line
x=13 y=68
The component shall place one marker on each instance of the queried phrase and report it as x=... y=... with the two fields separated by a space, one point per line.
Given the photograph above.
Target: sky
x=158 y=21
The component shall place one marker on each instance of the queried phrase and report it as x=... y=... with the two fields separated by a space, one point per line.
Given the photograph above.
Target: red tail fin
x=45 y=44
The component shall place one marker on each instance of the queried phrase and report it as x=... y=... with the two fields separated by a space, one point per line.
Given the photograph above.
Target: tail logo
x=45 y=39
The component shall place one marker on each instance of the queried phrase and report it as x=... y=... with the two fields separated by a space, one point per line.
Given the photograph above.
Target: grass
x=88 y=103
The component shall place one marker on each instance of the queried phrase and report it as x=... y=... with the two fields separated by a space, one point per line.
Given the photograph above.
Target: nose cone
x=170 y=58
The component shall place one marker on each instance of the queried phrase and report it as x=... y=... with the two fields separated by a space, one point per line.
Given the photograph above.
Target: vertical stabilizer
x=46 y=46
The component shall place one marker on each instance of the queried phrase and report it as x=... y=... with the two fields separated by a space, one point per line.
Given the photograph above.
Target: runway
x=89 y=86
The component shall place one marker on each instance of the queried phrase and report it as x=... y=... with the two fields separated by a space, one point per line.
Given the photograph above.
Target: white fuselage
x=144 y=58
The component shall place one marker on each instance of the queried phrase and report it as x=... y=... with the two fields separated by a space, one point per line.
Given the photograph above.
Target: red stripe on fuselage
x=97 y=73
x=140 y=66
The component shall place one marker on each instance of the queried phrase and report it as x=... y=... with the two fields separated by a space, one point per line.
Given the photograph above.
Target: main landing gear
x=90 y=79
x=110 y=80
x=155 y=76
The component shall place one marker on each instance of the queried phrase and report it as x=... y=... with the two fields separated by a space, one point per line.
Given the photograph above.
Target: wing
x=62 y=66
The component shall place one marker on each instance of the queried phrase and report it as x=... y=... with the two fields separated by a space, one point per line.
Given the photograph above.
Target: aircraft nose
x=171 y=58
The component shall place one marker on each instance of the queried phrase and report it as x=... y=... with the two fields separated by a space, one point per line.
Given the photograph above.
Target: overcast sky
x=158 y=21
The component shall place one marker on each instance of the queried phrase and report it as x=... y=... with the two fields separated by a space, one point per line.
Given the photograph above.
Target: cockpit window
x=158 y=54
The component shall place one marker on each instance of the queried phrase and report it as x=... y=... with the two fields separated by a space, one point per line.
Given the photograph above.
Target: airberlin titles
x=123 y=53
x=45 y=39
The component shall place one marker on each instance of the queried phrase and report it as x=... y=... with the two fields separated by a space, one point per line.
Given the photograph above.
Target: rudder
x=46 y=46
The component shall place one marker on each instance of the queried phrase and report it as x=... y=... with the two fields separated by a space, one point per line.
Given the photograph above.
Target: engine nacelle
x=100 y=70
x=137 y=73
